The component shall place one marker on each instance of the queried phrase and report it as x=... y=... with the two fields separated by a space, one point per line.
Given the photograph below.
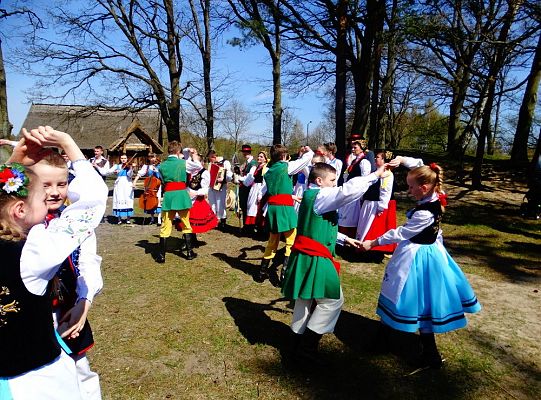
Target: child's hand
x=72 y=323
x=380 y=171
x=395 y=162
x=367 y=245
x=298 y=199
x=27 y=152
x=354 y=243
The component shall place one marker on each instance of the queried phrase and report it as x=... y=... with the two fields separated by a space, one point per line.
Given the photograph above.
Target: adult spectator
x=99 y=162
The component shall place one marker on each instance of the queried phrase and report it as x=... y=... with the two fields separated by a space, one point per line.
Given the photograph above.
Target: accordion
x=217 y=172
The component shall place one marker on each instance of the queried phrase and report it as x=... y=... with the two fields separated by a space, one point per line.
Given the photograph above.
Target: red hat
x=356 y=136
x=246 y=147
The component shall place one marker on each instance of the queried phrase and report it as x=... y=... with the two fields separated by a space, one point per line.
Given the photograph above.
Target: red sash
x=280 y=200
x=171 y=186
x=311 y=247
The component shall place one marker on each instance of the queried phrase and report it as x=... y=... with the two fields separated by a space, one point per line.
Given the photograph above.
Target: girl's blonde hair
x=429 y=175
x=9 y=229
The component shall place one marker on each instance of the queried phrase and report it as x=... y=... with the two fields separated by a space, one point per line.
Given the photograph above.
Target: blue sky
x=251 y=73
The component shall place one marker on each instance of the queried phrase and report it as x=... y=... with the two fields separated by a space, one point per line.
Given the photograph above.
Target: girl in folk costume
x=359 y=165
x=312 y=277
x=32 y=363
x=378 y=211
x=202 y=218
x=123 y=190
x=254 y=180
x=423 y=288
x=217 y=197
x=77 y=281
x=147 y=171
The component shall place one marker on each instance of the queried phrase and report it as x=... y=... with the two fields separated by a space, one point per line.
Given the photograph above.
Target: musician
x=100 y=163
x=220 y=174
x=176 y=199
x=148 y=170
x=122 y=190
x=244 y=191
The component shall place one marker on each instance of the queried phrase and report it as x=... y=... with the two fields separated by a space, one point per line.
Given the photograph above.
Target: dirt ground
x=506 y=331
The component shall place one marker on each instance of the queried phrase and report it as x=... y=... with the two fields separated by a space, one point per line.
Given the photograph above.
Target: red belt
x=171 y=186
x=280 y=200
x=311 y=247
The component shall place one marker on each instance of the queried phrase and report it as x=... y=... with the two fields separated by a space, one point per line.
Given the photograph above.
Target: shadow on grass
x=173 y=245
x=522 y=263
x=236 y=262
x=529 y=369
x=352 y=371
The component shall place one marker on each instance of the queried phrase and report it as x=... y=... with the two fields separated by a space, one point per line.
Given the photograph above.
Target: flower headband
x=13 y=180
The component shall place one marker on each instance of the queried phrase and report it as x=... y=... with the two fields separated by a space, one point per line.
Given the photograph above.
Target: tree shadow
x=349 y=370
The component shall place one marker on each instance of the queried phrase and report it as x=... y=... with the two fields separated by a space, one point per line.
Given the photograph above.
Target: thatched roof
x=108 y=128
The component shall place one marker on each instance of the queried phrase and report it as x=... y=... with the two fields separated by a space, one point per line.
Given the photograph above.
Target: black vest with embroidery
x=195 y=180
x=258 y=175
x=372 y=193
x=26 y=324
x=430 y=233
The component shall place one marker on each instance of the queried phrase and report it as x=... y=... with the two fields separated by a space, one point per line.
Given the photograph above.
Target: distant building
x=117 y=131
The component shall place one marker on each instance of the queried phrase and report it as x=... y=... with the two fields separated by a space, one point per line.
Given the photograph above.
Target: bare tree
x=519 y=152
x=124 y=53
x=261 y=20
x=235 y=121
x=5 y=126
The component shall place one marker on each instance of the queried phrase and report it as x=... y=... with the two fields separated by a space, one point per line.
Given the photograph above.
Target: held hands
x=27 y=152
x=367 y=245
x=395 y=162
x=72 y=323
x=353 y=242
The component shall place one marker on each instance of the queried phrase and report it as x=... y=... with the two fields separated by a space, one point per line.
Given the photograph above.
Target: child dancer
x=423 y=288
x=33 y=366
x=123 y=190
x=254 y=180
x=77 y=281
x=378 y=211
x=151 y=170
x=312 y=277
x=281 y=216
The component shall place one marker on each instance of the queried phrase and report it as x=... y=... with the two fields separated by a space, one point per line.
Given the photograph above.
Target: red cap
x=246 y=147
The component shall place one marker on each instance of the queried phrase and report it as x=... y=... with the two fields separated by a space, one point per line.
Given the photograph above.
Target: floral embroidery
x=5 y=308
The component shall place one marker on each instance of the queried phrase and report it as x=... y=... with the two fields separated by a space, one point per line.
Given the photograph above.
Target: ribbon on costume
x=311 y=247
x=280 y=200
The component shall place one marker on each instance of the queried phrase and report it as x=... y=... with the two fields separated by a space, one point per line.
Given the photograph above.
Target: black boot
x=221 y=225
x=430 y=356
x=263 y=272
x=190 y=255
x=283 y=270
x=160 y=257
x=307 y=350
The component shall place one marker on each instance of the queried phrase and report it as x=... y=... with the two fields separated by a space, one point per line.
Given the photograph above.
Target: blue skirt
x=435 y=296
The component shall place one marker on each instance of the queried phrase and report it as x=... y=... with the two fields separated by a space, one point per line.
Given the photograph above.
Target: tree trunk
x=276 y=84
x=378 y=18
x=495 y=67
x=207 y=59
x=341 y=75
x=519 y=151
x=5 y=126
x=174 y=64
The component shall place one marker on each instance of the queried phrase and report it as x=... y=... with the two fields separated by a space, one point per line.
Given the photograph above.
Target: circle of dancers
x=51 y=203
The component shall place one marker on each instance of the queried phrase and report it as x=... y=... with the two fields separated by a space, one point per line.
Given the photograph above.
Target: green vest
x=309 y=277
x=174 y=170
x=279 y=218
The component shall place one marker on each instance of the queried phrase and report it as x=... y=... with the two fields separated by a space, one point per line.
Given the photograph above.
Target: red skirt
x=381 y=224
x=202 y=218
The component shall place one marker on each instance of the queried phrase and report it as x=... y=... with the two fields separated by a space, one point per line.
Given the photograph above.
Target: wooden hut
x=135 y=133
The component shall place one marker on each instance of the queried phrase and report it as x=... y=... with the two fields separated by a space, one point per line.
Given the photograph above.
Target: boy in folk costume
x=176 y=199
x=100 y=163
x=281 y=216
x=312 y=276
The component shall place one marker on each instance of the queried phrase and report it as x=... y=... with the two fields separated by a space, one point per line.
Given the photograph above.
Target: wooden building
x=117 y=131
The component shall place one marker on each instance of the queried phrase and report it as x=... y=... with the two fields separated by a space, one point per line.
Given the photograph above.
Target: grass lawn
x=204 y=329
